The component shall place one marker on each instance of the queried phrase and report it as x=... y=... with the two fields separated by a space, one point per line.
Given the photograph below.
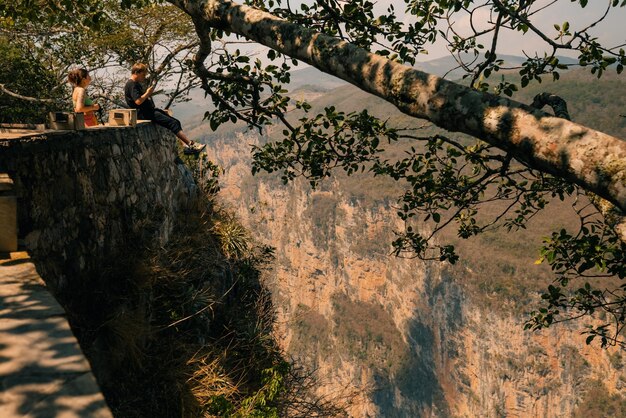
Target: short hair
x=76 y=76
x=139 y=68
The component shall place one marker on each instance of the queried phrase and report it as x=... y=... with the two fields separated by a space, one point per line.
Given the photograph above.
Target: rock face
x=413 y=338
x=83 y=195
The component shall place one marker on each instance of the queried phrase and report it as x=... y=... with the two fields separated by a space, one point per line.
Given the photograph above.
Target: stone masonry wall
x=84 y=196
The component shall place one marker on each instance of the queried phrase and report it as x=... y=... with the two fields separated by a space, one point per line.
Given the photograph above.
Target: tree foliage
x=104 y=37
x=23 y=72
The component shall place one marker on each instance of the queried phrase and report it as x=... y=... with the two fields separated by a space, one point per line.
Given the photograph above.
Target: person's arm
x=140 y=98
x=80 y=102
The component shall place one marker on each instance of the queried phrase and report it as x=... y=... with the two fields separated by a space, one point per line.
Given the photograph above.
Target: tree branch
x=591 y=159
x=8 y=92
x=558 y=105
x=613 y=216
x=169 y=57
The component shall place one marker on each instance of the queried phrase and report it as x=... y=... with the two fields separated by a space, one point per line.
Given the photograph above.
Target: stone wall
x=84 y=196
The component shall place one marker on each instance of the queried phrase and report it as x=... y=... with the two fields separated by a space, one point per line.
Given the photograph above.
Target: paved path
x=18 y=133
x=43 y=372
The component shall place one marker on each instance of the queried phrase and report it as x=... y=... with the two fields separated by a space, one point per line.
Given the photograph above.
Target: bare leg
x=181 y=135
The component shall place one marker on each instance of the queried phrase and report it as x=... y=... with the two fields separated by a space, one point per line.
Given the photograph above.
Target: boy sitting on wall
x=140 y=98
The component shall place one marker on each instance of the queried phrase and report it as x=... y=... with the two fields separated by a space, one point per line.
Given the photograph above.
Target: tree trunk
x=589 y=158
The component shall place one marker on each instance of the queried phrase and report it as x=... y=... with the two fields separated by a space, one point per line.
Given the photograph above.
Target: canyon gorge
x=403 y=337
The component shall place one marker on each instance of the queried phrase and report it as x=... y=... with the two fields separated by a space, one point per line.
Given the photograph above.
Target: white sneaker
x=198 y=147
x=194 y=148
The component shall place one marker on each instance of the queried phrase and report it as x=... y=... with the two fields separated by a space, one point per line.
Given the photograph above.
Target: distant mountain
x=314 y=77
x=448 y=66
x=308 y=78
x=440 y=66
x=311 y=79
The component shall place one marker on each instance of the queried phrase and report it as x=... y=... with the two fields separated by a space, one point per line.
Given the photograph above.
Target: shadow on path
x=43 y=372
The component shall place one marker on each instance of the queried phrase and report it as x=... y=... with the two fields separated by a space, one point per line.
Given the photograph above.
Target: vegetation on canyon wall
x=447 y=179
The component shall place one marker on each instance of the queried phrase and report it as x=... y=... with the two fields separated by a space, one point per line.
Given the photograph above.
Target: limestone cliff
x=415 y=338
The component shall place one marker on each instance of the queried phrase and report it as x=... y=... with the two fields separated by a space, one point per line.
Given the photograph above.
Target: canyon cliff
x=408 y=337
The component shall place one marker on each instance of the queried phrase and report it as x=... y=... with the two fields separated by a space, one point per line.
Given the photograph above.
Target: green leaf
x=213 y=124
x=524 y=81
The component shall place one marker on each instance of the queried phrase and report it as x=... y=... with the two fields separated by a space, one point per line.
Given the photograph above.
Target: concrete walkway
x=43 y=372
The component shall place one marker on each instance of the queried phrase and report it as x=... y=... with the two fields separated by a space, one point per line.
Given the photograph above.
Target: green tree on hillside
x=522 y=155
x=29 y=76
x=48 y=42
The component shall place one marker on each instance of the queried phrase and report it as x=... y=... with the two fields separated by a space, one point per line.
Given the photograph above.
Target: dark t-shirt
x=133 y=91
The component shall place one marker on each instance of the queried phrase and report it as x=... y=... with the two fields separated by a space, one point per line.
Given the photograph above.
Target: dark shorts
x=165 y=120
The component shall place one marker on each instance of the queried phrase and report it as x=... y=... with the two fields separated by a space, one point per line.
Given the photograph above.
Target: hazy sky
x=610 y=32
